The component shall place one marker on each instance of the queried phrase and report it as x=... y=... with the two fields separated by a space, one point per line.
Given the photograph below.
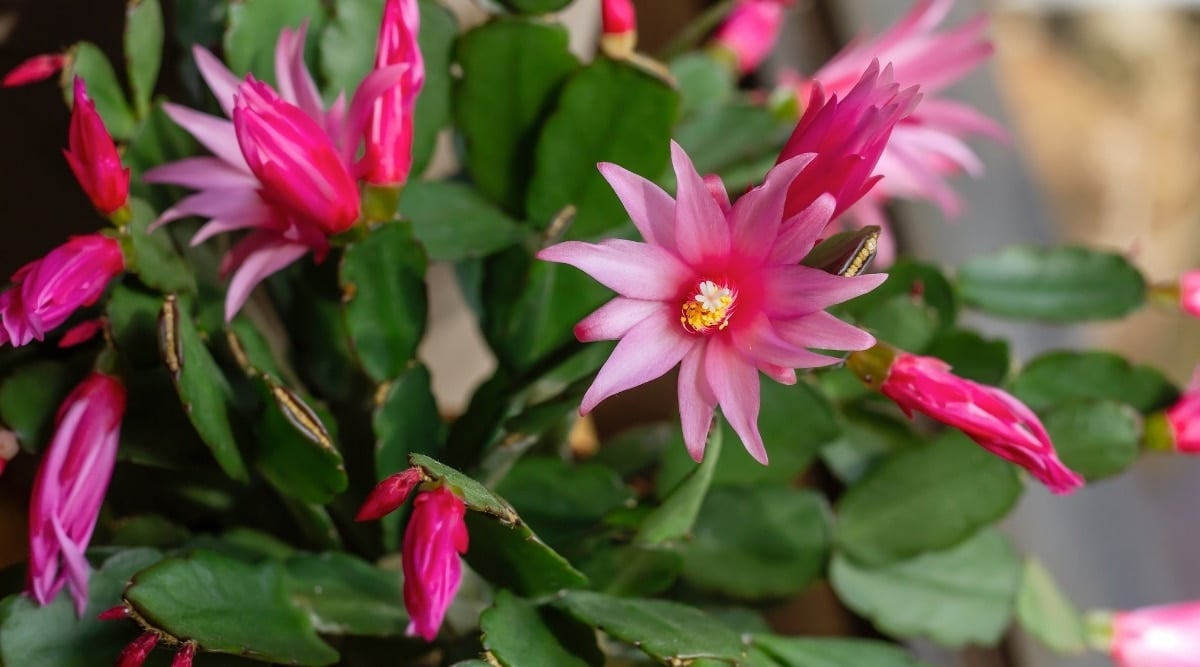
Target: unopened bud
x=117 y=613
x=620 y=28
x=137 y=651
x=389 y=495
x=37 y=68
x=185 y=655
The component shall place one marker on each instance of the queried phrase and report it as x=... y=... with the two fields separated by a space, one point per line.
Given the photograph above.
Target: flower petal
x=216 y=134
x=296 y=84
x=220 y=80
x=632 y=269
x=201 y=173
x=734 y=382
x=649 y=206
x=758 y=214
x=791 y=291
x=649 y=350
x=823 y=331
x=696 y=402
x=614 y=319
x=257 y=266
x=701 y=230
x=798 y=234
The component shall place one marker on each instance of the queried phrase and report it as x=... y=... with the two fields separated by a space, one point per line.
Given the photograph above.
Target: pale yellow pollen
x=710 y=307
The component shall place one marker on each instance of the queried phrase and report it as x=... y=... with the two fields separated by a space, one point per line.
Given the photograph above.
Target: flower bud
x=185 y=655
x=389 y=145
x=994 y=419
x=138 y=650
x=435 y=537
x=1163 y=636
x=750 y=31
x=35 y=69
x=117 y=613
x=1189 y=293
x=1178 y=428
x=9 y=448
x=619 y=20
x=93 y=156
x=389 y=495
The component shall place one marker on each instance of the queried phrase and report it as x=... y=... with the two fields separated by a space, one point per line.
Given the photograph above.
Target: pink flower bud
x=1183 y=420
x=388 y=158
x=35 y=69
x=992 y=418
x=619 y=17
x=47 y=291
x=81 y=333
x=69 y=488
x=1164 y=636
x=185 y=655
x=9 y=448
x=93 y=156
x=297 y=164
x=389 y=495
x=137 y=651
x=435 y=537
x=1189 y=293
x=117 y=613
x=750 y=32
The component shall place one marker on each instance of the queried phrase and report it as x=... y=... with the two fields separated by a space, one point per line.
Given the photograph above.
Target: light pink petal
x=758 y=214
x=614 y=319
x=201 y=173
x=76 y=566
x=651 y=209
x=650 y=349
x=791 y=291
x=780 y=374
x=212 y=204
x=696 y=402
x=798 y=235
x=632 y=269
x=734 y=382
x=216 y=134
x=257 y=267
x=716 y=188
x=701 y=231
x=220 y=80
x=758 y=340
x=823 y=331
x=960 y=119
x=296 y=84
x=242 y=219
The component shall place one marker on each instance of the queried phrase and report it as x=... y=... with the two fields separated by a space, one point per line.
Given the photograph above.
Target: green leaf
x=729 y=137
x=454 y=222
x=822 y=652
x=30 y=397
x=758 y=542
x=296 y=451
x=866 y=439
x=956 y=597
x=254 y=27
x=516 y=635
x=902 y=321
x=89 y=63
x=1056 y=377
x=609 y=111
x=54 y=636
x=582 y=494
x=704 y=83
x=406 y=421
x=972 y=356
x=476 y=496
x=632 y=571
x=439 y=32
x=1096 y=439
x=133 y=324
x=925 y=499
x=535 y=6
x=1046 y=614
x=343 y=595
x=511 y=74
x=348 y=44
x=916 y=282
x=153 y=257
x=202 y=388
x=208 y=598
x=667 y=631
x=143 y=50
x=673 y=519
x=383 y=280
x=1061 y=284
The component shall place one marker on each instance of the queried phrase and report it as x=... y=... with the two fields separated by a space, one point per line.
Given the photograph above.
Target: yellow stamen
x=710 y=307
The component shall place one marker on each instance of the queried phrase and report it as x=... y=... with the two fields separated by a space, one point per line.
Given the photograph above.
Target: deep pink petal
x=646 y=352
x=632 y=269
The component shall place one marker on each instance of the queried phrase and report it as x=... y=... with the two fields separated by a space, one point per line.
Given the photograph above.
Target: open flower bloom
x=47 y=291
x=1164 y=636
x=717 y=289
x=93 y=156
x=70 y=486
x=928 y=145
x=284 y=171
x=37 y=68
x=750 y=31
x=994 y=419
x=390 y=127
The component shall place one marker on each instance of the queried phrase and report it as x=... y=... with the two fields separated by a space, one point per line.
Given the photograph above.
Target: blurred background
x=1102 y=101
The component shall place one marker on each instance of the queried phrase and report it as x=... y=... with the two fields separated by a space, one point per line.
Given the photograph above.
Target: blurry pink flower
x=231 y=195
x=750 y=31
x=93 y=156
x=435 y=537
x=1164 y=636
x=717 y=289
x=1189 y=293
x=619 y=17
x=35 y=69
x=390 y=127
x=927 y=145
x=136 y=652
x=47 y=291
x=991 y=417
x=71 y=481
x=389 y=495
x=1183 y=419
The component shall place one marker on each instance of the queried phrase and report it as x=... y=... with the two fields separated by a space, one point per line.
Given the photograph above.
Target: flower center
x=710 y=307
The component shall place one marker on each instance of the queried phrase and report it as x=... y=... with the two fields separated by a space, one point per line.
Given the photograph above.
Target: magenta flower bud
x=1181 y=421
x=1189 y=293
x=81 y=333
x=297 y=163
x=69 y=488
x=1163 y=636
x=389 y=131
x=619 y=21
x=117 y=613
x=994 y=419
x=9 y=448
x=37 y=68
x=435 y=537
x=93 y=156
x=750 y=31
x=185 y=655
x=47 y=291
x=138 y=650
x=389 y=495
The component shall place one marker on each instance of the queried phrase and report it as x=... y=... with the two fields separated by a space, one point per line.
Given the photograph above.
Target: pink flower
x=389 y=495
x=619 y=22
x=93 y=156
x=992 y=418
x=185 y=655
x=390 y=128
x=928 y=144
x=35 y=69
x=1183 y=419
x=282 y=229
x=47 y=291
x=1164 y=636
x=1189 y=293
x=750 y=31
x=435 y=537
x=138 y=650
x=715 y=288
x=69 y=488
